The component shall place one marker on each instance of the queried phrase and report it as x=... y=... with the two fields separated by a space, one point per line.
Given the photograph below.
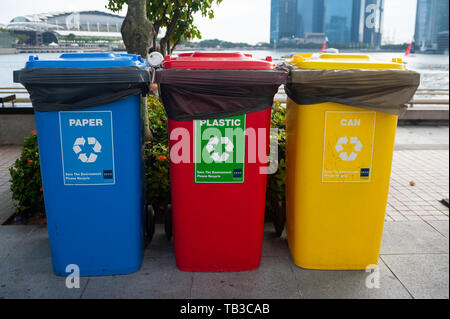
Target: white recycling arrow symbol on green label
x=213 y=142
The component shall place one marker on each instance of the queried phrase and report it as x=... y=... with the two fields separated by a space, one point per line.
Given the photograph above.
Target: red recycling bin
x=218 y=181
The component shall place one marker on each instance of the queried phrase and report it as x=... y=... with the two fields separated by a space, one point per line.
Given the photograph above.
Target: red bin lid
x=217 y=61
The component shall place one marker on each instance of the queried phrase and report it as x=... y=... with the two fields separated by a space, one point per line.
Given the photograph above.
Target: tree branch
x=165 y=42
x=158 y=23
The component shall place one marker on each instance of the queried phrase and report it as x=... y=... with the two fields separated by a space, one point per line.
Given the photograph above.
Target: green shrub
x=26 y=183
x=157 y=166
x=157 y=121
x=276 y=182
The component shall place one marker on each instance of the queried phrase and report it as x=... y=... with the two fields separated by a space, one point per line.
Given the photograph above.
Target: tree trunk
x=163 y=46
x=137 y=33
x=173 y=47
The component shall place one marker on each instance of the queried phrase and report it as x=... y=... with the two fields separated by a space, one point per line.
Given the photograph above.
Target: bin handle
x=153 y=73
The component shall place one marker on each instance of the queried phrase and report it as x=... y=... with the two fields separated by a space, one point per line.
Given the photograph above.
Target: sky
x=235 y=20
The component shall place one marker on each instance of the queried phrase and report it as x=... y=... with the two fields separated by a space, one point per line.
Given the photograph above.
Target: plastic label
x=87 y=148
x=220 y=150
x=348 y=146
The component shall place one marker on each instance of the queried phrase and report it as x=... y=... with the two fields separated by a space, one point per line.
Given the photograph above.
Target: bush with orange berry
x=26 y=183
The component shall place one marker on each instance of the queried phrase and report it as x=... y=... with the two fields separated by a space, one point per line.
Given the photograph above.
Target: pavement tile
x=11 y=238
x=429 y=170
x=320 y=284
x=273 y=280
x=399 y=218
x=158 y=278
x=413 y=218
x=425 y=276
x=440 y=226
x=412 y=237
x=160 y=246
x=34 y=278
x=422 y=213
x=429 y=217
x=7 y=207
x=274 y=246
x=35 y=245
x=27 y=270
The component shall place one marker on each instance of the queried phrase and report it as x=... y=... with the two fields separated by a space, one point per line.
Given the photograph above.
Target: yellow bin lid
x=328 y=61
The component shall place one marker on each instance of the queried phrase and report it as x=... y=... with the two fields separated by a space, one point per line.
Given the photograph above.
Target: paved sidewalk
x=8 y=154
x=414 y=264
x=428 y=170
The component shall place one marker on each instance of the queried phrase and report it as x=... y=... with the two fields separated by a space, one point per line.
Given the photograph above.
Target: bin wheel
x=168 y=222
x=149 y=223
x=279 y=218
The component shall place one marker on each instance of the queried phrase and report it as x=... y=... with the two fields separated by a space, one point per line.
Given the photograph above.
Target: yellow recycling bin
x=342 y=114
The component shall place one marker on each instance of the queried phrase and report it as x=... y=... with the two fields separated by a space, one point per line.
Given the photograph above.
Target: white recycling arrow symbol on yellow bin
x=96 y=147
x=344 y=155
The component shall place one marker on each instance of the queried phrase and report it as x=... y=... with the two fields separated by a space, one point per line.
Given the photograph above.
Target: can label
x=87 y=148
x=220 y=150
x=348 y=146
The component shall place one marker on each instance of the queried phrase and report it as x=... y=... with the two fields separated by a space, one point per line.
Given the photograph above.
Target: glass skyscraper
x=431 y=20
x=342 y=21
x=354 y=21
x=339 y=20
x=275 y=21
x=288 y=18
x=283 y=20
x=310 y=18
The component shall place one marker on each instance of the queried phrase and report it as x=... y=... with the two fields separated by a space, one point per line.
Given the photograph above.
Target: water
x=433 y=68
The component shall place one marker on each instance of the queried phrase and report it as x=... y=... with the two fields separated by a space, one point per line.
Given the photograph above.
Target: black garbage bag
x=204 y=94
x=57 y=89
x=386 y=91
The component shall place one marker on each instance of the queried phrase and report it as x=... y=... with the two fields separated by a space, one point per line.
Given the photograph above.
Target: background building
x=46 y=28
x=339 y=20
x=310 y=18
x=431 y=33
x=342 y=21
x=7 y=42
x=274 y=21
x=283 y=23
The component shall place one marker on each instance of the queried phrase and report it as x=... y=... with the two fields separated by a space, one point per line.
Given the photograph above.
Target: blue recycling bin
x=88 y=119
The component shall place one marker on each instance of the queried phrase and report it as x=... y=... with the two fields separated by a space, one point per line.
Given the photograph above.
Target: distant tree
x=70 y=37
x=49 y=37
x=395 y=47
x=176 y=17
x=21 y=38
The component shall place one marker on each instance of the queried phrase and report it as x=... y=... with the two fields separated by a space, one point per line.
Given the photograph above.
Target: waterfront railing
x=424 y=97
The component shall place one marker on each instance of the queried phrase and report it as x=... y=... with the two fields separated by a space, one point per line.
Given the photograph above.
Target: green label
x=220 y=150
